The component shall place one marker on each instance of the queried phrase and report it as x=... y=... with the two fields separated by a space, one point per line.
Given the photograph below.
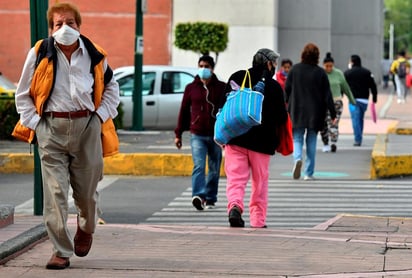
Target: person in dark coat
x=201 y=101
x=360 y=81
x=250 y=153
x=308 y=96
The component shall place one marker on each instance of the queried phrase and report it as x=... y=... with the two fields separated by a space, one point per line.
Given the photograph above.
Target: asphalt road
x=131 y=199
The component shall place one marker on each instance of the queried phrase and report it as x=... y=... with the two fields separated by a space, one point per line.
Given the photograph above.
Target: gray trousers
x=70 y=151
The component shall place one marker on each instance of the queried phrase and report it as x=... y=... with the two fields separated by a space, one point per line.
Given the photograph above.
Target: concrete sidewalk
x=346 y=246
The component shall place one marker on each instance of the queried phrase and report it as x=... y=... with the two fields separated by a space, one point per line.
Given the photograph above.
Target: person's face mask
x=272 y=71
x=204 y=73
x=272 y=67
x=349 y=65
x=285 y=69
x=66 y=35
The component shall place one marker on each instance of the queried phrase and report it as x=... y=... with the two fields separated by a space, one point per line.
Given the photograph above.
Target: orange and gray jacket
x=43 y=82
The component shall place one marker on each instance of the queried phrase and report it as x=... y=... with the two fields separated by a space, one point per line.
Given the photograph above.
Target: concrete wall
x=357 y=28
x=337 y=26
x=301 y=22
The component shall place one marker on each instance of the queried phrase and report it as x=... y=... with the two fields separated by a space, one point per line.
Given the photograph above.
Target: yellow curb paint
x=392 y=128
x=392 y=166
x=403 y=131
x=138 y=164
x=402 y=128
x=150 y=165
x=385 y=166
x=16 y=163
x=379 y=151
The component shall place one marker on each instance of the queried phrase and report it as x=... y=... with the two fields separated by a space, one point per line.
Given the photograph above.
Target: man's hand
x=178 y=143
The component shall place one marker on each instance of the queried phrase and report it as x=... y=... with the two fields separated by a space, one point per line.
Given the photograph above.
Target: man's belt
x=68 y=115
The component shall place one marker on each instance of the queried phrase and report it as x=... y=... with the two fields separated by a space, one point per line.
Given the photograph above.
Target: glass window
x=6 y=84
x=126 y=84
x=148 y=83
x=174 y=82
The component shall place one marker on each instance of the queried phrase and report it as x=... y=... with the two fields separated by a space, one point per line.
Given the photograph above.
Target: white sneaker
x=308 y=178
x=296 y=169
x=198 y=203
x=326 y=148
x=209 y=205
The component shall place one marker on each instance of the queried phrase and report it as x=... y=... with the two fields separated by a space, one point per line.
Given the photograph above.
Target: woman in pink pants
x=248 y=155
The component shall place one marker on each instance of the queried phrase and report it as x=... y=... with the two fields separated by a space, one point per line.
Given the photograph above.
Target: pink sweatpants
x=239 y=163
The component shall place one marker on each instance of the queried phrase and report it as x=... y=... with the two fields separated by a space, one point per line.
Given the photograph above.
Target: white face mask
x=66 y=35
x=349 y=65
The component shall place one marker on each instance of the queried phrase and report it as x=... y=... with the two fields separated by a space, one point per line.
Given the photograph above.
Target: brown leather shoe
x=57 y=262
x=82 y=242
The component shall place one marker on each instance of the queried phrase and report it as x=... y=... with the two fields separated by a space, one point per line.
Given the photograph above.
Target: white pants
x=401 y=87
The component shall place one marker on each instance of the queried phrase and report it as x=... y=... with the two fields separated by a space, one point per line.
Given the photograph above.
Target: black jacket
x=360 y=81
x=308 y=96
x=262 y=138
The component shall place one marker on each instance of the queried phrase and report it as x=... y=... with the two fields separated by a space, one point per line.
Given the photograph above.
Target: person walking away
x=308 y=97
x=282 y=74
x=386 y=71
x=361 y=83
x=248 y=155
x=67 y=102
x=400 y=68
x=201 y=101
x=338 y=87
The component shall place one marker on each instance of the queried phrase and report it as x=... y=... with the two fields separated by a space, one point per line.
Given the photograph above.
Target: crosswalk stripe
x=300 y=204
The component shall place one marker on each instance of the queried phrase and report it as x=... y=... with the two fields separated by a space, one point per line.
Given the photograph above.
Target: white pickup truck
x=162 y=93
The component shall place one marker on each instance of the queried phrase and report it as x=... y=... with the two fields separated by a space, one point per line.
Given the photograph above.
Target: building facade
x=111 y=24
x=342 y=27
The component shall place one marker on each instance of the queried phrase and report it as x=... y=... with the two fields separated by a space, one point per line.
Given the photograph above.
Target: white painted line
x=27 y=207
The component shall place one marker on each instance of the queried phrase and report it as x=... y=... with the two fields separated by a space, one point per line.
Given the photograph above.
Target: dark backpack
x=401 y=71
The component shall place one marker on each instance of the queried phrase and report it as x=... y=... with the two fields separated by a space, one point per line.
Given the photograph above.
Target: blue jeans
x=202 y=147
x=357 y=113
x=311 y=140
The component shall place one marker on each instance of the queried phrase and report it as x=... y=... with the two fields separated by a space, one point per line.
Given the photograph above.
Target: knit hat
x=264 y=55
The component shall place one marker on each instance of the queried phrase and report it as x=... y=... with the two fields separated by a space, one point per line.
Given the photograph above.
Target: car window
x=6 y=84
x=174 y=82
x=126 y=84
x=148 y=83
